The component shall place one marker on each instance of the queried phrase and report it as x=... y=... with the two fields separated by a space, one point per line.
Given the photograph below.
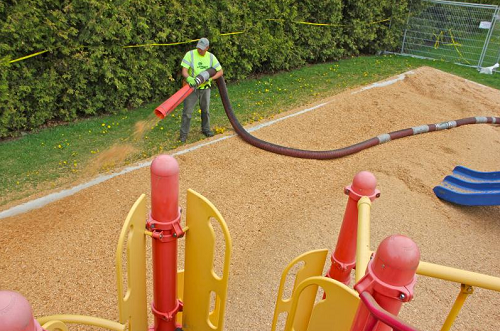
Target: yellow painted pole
x=465 y=291
x=459 y=276
x=363 y=241
x=85 y=320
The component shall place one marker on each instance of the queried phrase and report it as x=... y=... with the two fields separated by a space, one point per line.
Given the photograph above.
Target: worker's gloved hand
x=191 y=81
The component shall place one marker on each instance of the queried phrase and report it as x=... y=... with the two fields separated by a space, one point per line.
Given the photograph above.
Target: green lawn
x=56 y=157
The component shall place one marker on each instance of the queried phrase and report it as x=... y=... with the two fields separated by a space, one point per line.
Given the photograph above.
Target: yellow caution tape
x=384 y=20
x=440 y=39
x=169 y=44
x=193 y=40
x=456 y=48
x=317 y=24
x=28 y=56
x=180 y=42
x=326 y=24
x=227 y=34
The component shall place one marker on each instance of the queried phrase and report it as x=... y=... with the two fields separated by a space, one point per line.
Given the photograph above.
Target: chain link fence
x=464 y=33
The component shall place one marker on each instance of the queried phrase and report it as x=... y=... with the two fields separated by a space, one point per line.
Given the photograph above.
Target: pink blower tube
x=169 y=105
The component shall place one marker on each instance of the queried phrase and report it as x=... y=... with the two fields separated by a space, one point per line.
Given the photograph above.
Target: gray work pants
x=203 y=96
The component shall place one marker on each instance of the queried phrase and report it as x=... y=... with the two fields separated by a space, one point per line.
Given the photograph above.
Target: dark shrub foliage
x=86 y=71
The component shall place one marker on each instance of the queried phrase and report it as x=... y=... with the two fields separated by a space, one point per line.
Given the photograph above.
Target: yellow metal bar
x=459 y=276
x=86 y=320
x=465 y=291
x=363 y=241
x=180 y=294
x=55 y=326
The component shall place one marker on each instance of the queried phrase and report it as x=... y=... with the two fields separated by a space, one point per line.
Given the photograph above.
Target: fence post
x=488 y=38
x=406 y=29
x=344 y=257
x=164 y=223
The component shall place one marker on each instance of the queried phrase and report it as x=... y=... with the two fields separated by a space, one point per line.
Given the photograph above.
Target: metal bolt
x=402 y=296
x=152 y=226
x=175 y=235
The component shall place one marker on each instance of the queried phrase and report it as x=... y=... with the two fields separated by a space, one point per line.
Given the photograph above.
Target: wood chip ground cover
x=61 y=257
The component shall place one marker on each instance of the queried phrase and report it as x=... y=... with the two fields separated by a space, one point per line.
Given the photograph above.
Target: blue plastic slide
x=470 y=188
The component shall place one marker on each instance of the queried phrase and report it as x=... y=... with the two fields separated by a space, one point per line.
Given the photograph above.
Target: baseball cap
x=203 y=43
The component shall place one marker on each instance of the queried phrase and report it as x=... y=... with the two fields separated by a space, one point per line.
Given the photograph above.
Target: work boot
x=209 y=134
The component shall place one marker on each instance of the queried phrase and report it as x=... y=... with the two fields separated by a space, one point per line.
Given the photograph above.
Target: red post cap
x=364 y=183
x=16 y=313
x=396 y=260
x=164 y=166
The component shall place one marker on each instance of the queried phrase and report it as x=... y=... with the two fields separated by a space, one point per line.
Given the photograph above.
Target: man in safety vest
x=193 y=63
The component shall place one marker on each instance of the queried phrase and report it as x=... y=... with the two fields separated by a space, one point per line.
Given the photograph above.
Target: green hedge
x=87 y=72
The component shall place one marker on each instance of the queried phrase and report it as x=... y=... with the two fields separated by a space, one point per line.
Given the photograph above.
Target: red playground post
x=344 y=257
x=390 y=278
x=164 y=223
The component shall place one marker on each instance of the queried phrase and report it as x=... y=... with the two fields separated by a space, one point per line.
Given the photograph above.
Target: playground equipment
x=470 y=188
x=194 y=299
x=195 y=296
x=169 y=105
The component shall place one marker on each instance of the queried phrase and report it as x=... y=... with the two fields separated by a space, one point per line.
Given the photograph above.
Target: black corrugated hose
x=341 y=152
